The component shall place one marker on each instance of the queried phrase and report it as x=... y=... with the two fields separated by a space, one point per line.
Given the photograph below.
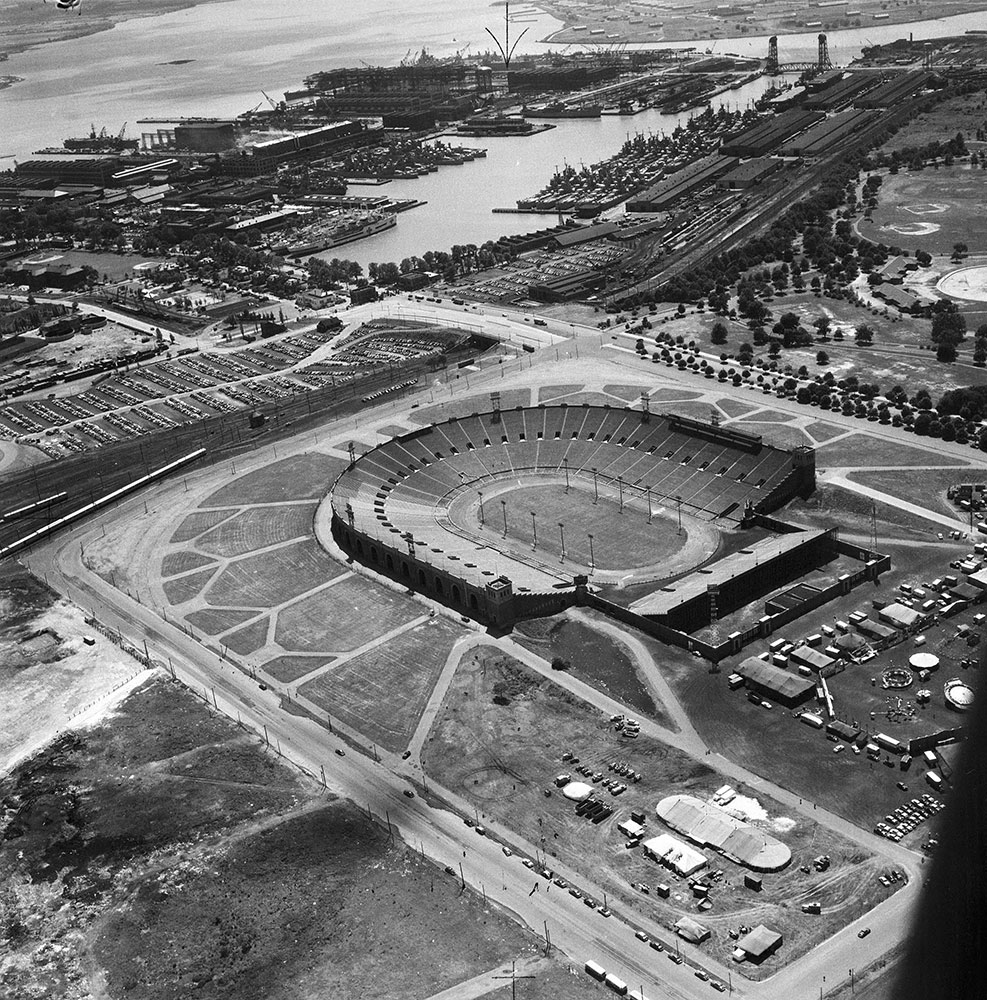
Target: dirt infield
x=967 y=283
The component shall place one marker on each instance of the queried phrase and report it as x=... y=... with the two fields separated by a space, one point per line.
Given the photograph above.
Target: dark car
x=408 y=793
x=863 y=933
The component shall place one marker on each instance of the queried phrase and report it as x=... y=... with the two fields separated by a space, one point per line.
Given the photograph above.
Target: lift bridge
x=774 y=66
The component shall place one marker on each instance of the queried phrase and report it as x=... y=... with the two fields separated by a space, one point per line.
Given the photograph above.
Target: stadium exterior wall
x=495 y=604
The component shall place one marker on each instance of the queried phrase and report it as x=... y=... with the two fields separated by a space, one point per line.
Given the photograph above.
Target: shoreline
x=82 y=27
x=675 y=34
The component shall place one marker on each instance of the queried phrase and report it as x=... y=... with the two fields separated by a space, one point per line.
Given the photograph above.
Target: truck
x=596 y=971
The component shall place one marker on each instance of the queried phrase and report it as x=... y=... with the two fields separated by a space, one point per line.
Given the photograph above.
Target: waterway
x=461 y=199
x=242 y=47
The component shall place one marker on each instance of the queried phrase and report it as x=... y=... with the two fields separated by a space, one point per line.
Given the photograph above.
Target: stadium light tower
x=562 y=539
x=649 y=505
x=534 y=532
x=678 y=500
x=503 y=507
x=596 y=488
x=592 y=561
x=480 y=492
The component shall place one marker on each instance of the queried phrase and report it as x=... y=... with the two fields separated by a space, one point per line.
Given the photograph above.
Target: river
x=242 y=47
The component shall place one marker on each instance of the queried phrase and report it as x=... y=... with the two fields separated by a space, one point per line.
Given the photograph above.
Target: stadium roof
x=774 y=678
x=709 y=825
x=760 y=942
x=663 y=601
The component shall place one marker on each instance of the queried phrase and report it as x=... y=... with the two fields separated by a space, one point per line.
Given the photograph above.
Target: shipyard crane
x=68 y=5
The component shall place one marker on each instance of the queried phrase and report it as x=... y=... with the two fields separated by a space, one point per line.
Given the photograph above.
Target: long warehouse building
x=768 y=135
x=841 y=94
x=829 y=133
x=702 y=173
x=889 y=93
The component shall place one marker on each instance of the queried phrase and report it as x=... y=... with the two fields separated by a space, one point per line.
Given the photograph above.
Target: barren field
x=862 y=449
x=168 y=823
x=498 y=741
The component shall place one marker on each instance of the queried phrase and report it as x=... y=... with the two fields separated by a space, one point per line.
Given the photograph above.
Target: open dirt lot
x=166 y=821
x=498 y=741
x=48 y=674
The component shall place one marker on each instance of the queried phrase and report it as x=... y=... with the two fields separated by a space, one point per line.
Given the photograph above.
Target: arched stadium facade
x=390 y=509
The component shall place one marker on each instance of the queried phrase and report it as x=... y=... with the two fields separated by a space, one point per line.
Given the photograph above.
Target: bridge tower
x=823 y=61
x=772 y=64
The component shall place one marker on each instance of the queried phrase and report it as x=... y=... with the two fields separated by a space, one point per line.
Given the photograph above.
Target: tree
x=822 y=358
x=822 y=326
x=718 y=335
x=865 y=335
x=946 y=353
x=959 y=249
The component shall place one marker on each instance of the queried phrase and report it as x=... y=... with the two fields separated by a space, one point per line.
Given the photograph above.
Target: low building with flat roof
x=772 y=682
x=760 y=943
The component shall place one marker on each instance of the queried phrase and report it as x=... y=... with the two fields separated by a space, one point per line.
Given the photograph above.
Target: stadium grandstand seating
x=407 y=484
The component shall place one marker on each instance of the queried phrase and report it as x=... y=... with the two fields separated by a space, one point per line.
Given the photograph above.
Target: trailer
x=596 y=971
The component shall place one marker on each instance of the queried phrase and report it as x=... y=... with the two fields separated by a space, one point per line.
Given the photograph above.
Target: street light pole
x=565 y=465
x=592 y=561
x=534 y=532
x=596 y=489
x=649 y=505
x=679 y=501
x=562 y=539
x=620 y=491
x=503 y=506
x=481 y=507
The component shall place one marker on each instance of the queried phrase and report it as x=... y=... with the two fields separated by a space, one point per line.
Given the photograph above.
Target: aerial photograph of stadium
x=493 y=500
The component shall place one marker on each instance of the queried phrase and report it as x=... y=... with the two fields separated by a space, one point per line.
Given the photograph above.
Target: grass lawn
x=200 y=521
x=258 y=528
x=287 y=669
x=181 y=562
x=863 y=450
x=620 y=541
x=213 y=621
x=629 y=393
x=463 y=406
x=343 y=617
x=547 y=393
x=270 y=578
x=300 y=477
x=186 y=587
x=823 y=431
x=248 y=639
x=926 y=487
x=931 y=210
x=383 y=692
